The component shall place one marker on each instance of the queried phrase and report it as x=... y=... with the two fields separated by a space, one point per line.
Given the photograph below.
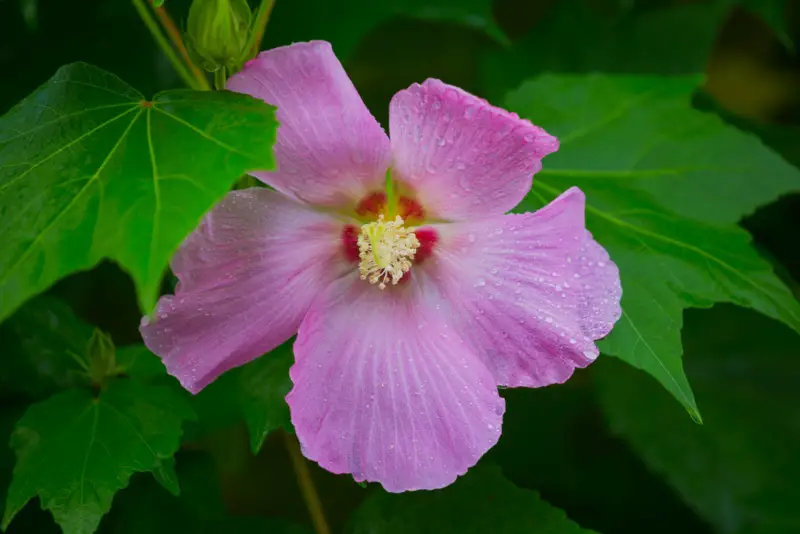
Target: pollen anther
x=386 y=250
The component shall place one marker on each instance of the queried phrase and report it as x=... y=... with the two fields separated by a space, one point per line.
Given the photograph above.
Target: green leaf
x=630 y=41
x=166 y=476
x=89 y=169
x=659 y=188
x=344 y=23
x=75 y=451
x=740 y=469
x=217 y=407
x=137 y=361
x=43 y=350
x=264 y=384
x=482 y=501
x=635 y=131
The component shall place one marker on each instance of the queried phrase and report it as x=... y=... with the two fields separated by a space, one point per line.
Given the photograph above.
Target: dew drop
x=480 y=282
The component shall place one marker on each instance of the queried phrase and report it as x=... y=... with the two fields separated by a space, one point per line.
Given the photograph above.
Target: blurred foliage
x=706 y=90
x=739 y=469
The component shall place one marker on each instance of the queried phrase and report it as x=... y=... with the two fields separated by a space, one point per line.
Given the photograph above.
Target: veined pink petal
x=330 y=150
x=247 y=277
x=464 y=157
x=532 y=291
x=387 y=391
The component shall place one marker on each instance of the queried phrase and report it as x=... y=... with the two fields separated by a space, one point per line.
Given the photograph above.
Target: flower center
x=385 y=250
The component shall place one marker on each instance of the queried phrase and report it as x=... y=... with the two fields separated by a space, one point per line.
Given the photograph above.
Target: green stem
x=175 y=36
x=220 y=78
x=162 y=42
x=259 y=26
x=306 y=485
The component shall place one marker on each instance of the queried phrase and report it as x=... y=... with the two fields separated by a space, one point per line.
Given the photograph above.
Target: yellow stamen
x=386 y=250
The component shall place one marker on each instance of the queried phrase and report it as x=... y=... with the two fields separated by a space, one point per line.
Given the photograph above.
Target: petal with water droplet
x=529 y=327
x=462 y=144
x=247 y=277
x=330 y=150
x=383 y=389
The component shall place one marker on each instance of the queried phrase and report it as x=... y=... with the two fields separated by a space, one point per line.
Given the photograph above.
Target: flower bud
x=100 y=352
x=218 y=33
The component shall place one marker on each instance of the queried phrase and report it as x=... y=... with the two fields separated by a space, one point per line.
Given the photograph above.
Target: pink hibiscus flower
x=411 y=303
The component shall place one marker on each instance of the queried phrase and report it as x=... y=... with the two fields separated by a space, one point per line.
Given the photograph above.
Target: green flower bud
x=100 y=352
x=218 y=33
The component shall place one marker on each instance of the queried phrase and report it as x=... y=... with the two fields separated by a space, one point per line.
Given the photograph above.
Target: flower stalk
x=259 y=27
x=175 y=36
x=307 y=487
x=162 y=42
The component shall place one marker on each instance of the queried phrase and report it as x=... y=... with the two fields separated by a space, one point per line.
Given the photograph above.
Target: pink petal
x=330 y=150
x=247 y=277
x=385 y=390
x=532 y=291
x=464 y=157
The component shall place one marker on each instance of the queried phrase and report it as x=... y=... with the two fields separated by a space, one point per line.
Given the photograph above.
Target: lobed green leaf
x=89 y=169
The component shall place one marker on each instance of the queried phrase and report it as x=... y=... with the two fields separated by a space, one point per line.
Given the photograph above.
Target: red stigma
x=350 y=243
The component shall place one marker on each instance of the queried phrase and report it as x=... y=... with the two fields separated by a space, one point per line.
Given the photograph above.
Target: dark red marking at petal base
x=427 y=242
x=372 y=204
x=406 y=277
x=350 y=243
x=410 y=210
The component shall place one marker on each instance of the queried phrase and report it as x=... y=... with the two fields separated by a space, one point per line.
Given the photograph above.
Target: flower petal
x=385 y=390
x=532 y=291
x=330 y=150
x=247 y=277
x=464 y=157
